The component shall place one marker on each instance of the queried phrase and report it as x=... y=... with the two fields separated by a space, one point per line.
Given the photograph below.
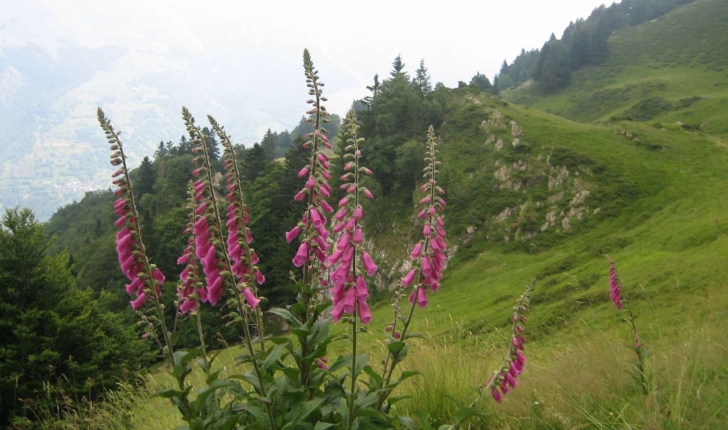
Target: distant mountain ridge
x=51 y=149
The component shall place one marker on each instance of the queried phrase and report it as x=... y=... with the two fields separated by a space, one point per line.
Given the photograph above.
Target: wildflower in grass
x=429 y=253
x=428 y=256
x=348 y=262
x=312 y=254
x=505 y=379
x=616 y=293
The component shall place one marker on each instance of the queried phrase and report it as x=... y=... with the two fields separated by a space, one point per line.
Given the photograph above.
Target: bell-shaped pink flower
x=422 y=297
x=408 y=278
x=301 y=255
x=350 y=300
x=290 y=235
x=357 y=238
x=496 y=395
x=250 y=298
x=426 y=268
x=416 y=251
x=365 y=315
x=369 y=265
x=362 y=292
x=139 y=301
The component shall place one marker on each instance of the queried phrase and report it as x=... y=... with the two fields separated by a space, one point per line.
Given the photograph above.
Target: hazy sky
x=455 y=38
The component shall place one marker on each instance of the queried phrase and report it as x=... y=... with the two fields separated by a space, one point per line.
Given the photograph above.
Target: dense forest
x=583 y=43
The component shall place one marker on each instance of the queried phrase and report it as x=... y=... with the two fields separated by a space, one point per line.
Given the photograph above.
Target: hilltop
x=670 y=69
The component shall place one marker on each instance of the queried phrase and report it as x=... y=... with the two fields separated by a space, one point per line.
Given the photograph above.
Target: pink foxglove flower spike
x=145 y=279
x=348 y=261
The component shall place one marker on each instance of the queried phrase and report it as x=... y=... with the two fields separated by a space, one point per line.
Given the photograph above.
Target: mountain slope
x=654 y=203
x=679 y=57
x=51 y=149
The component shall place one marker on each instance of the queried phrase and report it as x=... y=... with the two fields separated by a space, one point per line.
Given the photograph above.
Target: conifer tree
x=146 y=177
x=161 y=151
x=270 y=144
x=254 y=163
x=398 y=67
x=422 y=79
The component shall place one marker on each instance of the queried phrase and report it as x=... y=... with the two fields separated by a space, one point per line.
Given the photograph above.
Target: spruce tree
x=270 y=144
x=146 y=180
x=398 y=67
x=161 y=151
x=422 y=79
x=254 y=163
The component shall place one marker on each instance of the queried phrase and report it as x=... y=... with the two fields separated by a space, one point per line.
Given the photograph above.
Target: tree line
x=583 y=43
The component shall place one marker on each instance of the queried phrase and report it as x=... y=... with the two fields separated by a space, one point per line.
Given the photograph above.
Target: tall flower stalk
x=505 y=379
x=350 y=292
x=145 y=279
x=313 y=250
x=239 y=236
x=619 y=298
x=218 y=266
x=428 y=256
x=191 y=290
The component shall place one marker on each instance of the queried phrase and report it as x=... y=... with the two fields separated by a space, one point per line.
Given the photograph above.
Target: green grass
x=680 y=55
x=669 y=238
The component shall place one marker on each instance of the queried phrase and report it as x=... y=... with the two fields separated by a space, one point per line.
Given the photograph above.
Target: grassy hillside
x=662 y=218
x=543 y=188
x=680 y=57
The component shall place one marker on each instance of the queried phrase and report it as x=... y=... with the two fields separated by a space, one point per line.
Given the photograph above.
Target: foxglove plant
x=350 y=292
x=239 y=236
x=428 y=257
x=618 y=297
x=312 y=254
x=217 y=260
x=333 y=282
x=191 y=291
x=145 y=279
x=505 y=378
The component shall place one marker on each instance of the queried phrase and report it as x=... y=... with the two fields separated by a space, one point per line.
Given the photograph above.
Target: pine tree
x=504 y=68
x=398 y=67
x=269 y=144
x=147 y=178
x=422 y=79
x=369 y=100
x=254 y=163
x=184 y=147
x=161 y=151
x=494 y=89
